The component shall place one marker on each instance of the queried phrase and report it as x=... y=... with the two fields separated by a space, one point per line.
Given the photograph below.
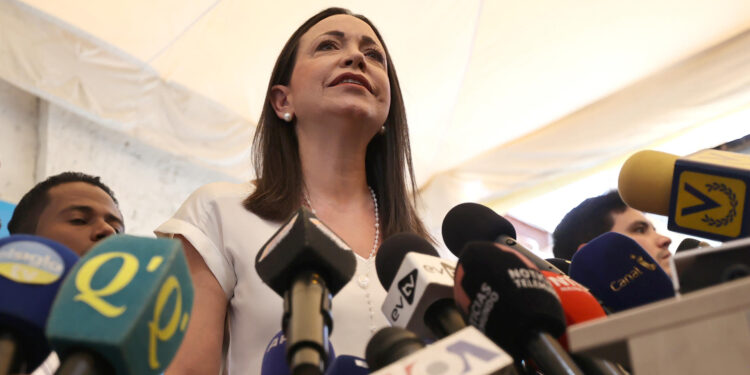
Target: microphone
x=703 y=194
x=348 y=365
x=506 y=297
x=619 y=272
x=31 y=271
x=466 y=352
x=475 y=222
x=123 y=308
x=690 y=244
x=274 y=359
x=421 y=298
x=579 y=306
x=306 y=263
x=390 y=344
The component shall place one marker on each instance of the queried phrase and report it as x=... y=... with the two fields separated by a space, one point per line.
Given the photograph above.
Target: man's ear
x=581 y=245
x=281 y=101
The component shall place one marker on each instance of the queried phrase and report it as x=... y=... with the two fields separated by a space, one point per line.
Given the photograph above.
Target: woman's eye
x=327 y=45
x=376 y=55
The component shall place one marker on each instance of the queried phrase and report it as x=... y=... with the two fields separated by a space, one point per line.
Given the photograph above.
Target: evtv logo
x=406 y=286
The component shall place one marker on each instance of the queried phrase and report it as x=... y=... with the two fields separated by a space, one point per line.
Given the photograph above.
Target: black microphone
x=390 y=344
x=475 y=222
x=31 y=271
x=419 y=285
x=504 y=295
x=306 y=263
x=394 y=350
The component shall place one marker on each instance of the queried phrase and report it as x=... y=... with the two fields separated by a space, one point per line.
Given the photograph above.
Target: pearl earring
x=287 y=116
x=382 y=129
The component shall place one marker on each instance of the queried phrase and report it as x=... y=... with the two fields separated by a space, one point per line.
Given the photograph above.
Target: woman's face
x=341 y=70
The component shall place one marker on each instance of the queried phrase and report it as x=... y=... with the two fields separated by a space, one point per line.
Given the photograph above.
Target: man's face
x=78 y=215
x=634 y=224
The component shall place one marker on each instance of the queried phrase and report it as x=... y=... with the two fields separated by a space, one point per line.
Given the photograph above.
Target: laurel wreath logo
x=732 y=202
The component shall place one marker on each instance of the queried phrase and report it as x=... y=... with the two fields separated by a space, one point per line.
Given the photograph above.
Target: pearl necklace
x=364 y=279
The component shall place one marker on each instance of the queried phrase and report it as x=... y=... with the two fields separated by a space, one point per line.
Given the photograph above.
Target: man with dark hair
x=608 y=213
x=72 y=208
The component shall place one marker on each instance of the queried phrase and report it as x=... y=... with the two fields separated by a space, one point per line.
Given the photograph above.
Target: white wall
x=39 y=139
x=18 y=141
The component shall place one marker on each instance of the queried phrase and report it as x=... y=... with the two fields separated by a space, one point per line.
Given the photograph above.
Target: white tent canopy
x=514 y=96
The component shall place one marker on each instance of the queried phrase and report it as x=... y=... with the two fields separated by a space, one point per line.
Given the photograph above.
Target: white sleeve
x=199 y=221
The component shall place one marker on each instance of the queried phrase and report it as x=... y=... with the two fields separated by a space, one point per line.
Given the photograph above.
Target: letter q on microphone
x=127 y=303
x=703 y=194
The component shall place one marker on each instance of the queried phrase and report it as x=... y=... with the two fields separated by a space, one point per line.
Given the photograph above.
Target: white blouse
x=228 y=237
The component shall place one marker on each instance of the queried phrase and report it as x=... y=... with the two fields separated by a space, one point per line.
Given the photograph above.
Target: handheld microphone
x=306 y=263
x=690 y=244
x=123 y=309
x=466 y=352
x=420 y=293
x=619 y=272
x=31 y=271
x=505 y=296
x=475 y=222
x=703 y=194
x=274 y=359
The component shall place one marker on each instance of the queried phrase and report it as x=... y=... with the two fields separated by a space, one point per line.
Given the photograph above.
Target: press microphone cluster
x=123 y=309
x=703 y=194
x=470 y=221
x=306 y=263
x=31 y=271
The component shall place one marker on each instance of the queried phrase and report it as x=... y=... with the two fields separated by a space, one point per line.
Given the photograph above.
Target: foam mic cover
x=390 y=344
x=304 y=243
x=392 y=251
x=505 y=296
x=619 y=272
x=125 y=306
x=646 y=179
x=348 y=365
x=31 y=271
x=475 y=222
x=274 y=359
x=466 y=352
x=306 y=263
x=690 y=244
x=419 y=285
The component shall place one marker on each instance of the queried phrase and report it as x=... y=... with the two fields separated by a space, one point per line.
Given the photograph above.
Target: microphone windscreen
x=619 y=272
x=392 y=252
x=645 y=181
x=128 y=301
x=274 y=360
x=31 y=271
x=473 y=222
x=390 y=344
x=305 y=243
x=561 y=264
x=690 y=244
x=348 y=365
x=505 y=296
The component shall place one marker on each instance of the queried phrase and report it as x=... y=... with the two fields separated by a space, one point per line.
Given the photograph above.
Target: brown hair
x=388 y=165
